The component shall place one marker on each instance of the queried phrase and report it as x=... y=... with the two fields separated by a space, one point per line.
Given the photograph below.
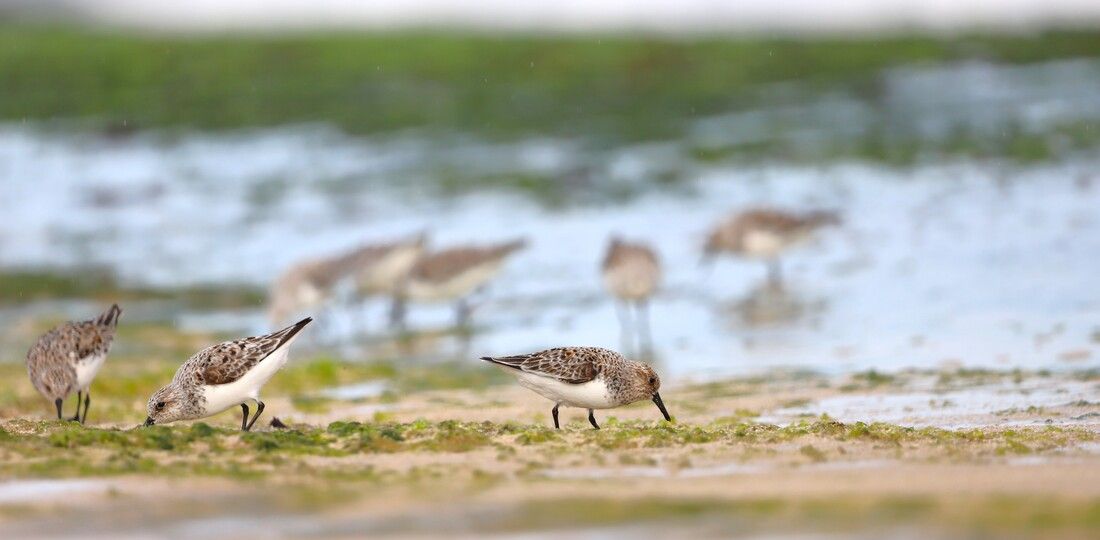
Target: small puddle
x=24 y=491
x=356 y=391
x=972 y=407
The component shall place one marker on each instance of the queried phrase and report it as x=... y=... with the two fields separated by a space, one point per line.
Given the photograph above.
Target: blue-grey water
x=958 y=262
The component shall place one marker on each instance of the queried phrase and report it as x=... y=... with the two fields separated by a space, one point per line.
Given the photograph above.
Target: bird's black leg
x=57 y=403
x=87 y=403
x=397 y=313
x=462 y=312
x=626 y=333
x=554 y=412
x=775 y=273
x=645 y=332
x=244 y=419
x=259 y=409
x=359 y=315
x=592 y=419
x=79 y=399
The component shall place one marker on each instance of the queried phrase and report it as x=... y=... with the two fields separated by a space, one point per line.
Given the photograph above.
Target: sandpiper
x=380 y=270
x=585 y=377
x=373 y=269
x=222 y=376
x=68 y=357
x=631 y=273
x=303 y=286
x=765 y=233
x=452 y=275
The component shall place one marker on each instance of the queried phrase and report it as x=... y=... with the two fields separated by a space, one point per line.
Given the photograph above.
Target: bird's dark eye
x=653 y=380
x=160 y=405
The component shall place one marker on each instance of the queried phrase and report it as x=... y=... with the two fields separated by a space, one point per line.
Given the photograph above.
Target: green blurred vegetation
x=38 y=441
x=19 y=286
x=612 y=88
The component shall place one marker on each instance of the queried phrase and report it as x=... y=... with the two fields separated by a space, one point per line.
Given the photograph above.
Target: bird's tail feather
x=109 y=317
x=288 y=333
x=506 y=361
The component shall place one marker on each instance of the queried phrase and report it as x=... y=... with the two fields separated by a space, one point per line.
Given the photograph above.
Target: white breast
x=765 y=244
x=590 y=395
x=631 y=281
x=86 y=370
x=220 y=397
x=383 y=276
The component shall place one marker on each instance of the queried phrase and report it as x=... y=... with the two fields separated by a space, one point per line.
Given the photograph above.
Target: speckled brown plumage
x=215 y=378
x=574 y=365
x=578 y=365
x=56 y=359
x=226 y=362
x=590 y=377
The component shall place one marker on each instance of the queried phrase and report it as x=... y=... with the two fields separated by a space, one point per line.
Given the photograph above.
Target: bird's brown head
x=648 y=380
x=821 y=218
x=167 y=405
x=720 y=239
x=647 y=385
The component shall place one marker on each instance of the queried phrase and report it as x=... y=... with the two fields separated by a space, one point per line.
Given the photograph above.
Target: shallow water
x=355 y=391
x=983 y=405
x=962 y=263
x=31 y=491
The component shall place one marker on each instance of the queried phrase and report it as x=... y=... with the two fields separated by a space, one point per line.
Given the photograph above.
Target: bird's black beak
x=661 y=405
x=149 y=421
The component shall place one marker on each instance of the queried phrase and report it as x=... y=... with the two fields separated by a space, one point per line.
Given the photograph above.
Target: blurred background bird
x=631 y=272
x=452 y=275
x=369 y=270
x=765 y=234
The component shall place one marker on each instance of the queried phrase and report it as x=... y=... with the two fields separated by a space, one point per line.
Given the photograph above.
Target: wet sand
x=747 y=457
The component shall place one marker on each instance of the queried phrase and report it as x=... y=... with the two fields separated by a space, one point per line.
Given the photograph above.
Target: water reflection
x=773 y=304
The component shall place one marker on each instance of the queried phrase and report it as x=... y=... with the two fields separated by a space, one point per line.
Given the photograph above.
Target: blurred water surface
x=939 y=262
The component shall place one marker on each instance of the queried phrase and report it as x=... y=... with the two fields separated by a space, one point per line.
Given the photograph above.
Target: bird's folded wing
x=229 y=361
x=557 y=364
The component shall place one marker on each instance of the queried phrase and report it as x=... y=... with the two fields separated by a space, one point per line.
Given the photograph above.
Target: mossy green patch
x=30 y=284
x=870 y=516
x=812 y=452
x=67 y=449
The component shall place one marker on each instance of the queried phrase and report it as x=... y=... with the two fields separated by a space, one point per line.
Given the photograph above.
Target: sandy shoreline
x=756 y=455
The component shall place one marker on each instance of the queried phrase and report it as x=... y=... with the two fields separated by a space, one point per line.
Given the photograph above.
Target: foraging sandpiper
x=221 y=376
x=631 y=273
x=380 y=270
x=452 y=275
x=373 y=269
x=303 y=286
x=585 y=377
x=765 y=233
x=68 y=357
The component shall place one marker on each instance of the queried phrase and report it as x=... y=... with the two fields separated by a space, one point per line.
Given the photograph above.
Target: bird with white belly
x=584 y=377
